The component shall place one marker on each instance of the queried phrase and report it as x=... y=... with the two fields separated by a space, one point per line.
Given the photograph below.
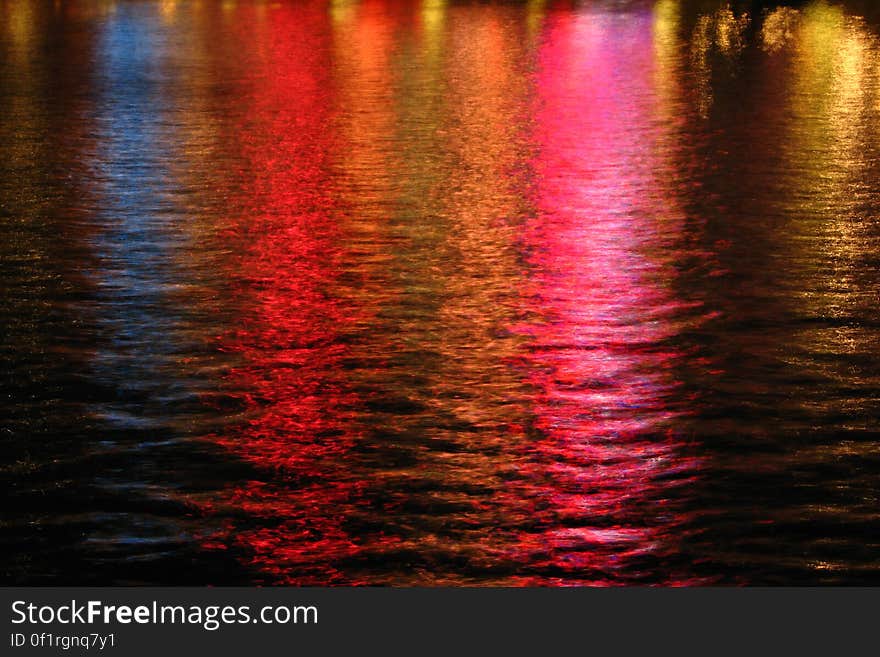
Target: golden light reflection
x=365 y=114
x=833 y=58
x=876 y=78
x=20 y=21
x=779 y=28
x=536 y=10
x=729 y=30
x=342 y=11
x=444 y=122
x=363 y=42
x=168 y=8
x=485 y=168
x=666 y=28
x=717 y=37
x=465 y=239
x=667 y=22
x=433 y=15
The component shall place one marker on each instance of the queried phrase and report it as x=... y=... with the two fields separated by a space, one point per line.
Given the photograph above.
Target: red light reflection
x=292 y=335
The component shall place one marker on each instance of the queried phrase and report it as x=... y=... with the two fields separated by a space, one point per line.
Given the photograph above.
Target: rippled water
x=440 y=292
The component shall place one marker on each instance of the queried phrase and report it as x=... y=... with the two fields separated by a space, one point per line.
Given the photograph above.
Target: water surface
x=440 y=292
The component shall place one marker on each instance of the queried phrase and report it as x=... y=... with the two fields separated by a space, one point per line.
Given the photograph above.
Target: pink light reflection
x=603 y=478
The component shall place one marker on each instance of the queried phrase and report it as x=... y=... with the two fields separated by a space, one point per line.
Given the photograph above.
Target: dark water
x=440 y=292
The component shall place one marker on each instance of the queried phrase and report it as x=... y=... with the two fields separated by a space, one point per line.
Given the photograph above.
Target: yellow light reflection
x=716 y=37
x=168 y=8
x=20 y=24
x=667 y=46
x=536 y=10
x=433 y=14
x=833 y=58
x=729 y=30
x=342 y=11
x=779 y=28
